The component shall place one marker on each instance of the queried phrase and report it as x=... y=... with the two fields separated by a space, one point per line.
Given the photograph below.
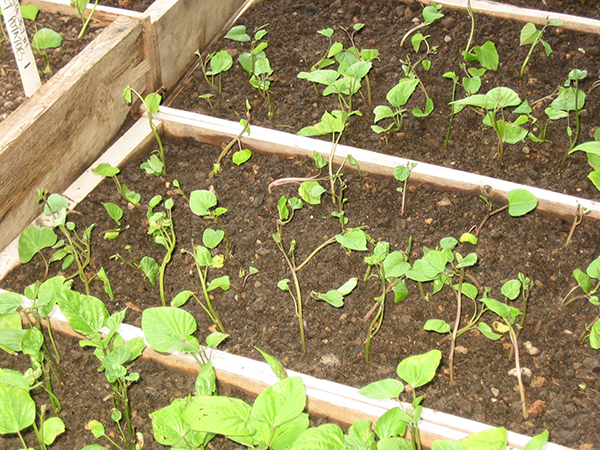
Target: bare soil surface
x=11 y=88
x=562 y=389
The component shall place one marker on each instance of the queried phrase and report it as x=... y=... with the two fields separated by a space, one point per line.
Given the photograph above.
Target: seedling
x=204 y=261
x=147 y=265
x=240 y=156
x=397 y=97
x=32 y=241
x=508 y=314
x=486 y=55
x=44 y=39
x=155 y=165
x=244 y=275
x=491 y=107
x=531 y=35
x=332 y=49
x=203 y=203
x=512 y=289
x=87 y=315
x=588 y=283
x=169 y=329
x=79 y=6
x=160 y=227
x=219 y=62
x=431 y=13
x=580 y=213
x=570 y=98
x=333 y=123
x=365 y=55
x=286 y=209
x=116 y=213
x=592 y=149
x=402 y=174
x=447 y=267
x=390 y=269
x=417 y=371
x=255 y=62
x=520 y=202
x=106 y=170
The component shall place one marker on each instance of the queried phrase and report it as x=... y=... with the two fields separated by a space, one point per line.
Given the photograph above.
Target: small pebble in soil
x=330 y=360
x=530 y=348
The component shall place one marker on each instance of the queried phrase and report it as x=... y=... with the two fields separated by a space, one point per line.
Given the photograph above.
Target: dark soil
x=259 y=314
x=586 y=8
x=295 y=46
x=11 y=89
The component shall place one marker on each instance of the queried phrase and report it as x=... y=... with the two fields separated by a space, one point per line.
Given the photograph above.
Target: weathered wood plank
x=54 y=135
x=510 y=12
x=184 y=26
x=216 y=131
x=103 y=15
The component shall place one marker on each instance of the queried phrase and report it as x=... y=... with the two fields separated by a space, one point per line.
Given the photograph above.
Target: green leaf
x=102 y=276
x=206 y=381
x=593 y=270
x=324 y=76
x=469 y=237
x=521 y=202
x=388 y=388
x=220 y=62
x=311 y=192
x=219 y=415
x=238 y=33
x=360 y=436
x=9 y=302
x=132 y=197
x=153 y=166
x=491 y=439
x=418 y=112
x=431 y=13
x=29 y=12
x=399 y=94
x=446 y=445
x=85 y=314
x=487 y=331
x=487 y=55
x=214 y=339
x=150 y=268
x=537 y=442
x=511 y=289
x=437 y=325
x=418 y=370
x=502 y=309
x=382 y=112
x=201 y=201
x=17 y=409
x=583 y=280
x=34 y=239
x=46 y=38
x=212 y=238
x=467 y=261
x=280 y=403
x=169 y=329
x=390 y=424
x=241 y=156
x=181 y=298
x=395 y=265
x=221 y=282
x=595 y=336
x=529 y=33
x=168 y=424
x=324 y=437
x=274 y=364
x=114 y=211
x=353 y=240
x=400 y=291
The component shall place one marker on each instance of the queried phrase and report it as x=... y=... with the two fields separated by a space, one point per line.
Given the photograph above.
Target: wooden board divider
x=325 y=398
x=510 y=12
x=103 y=15
x=215 y=131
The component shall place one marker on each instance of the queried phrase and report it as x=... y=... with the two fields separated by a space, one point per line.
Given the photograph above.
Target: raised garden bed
x=245 y=311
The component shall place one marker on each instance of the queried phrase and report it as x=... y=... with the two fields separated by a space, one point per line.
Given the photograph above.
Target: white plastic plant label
x=17 y=34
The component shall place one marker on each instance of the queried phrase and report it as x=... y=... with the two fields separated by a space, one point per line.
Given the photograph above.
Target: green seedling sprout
x=333 y=123
x=431 y=13
x=286 y=209
x=397 y=97
x=106 y=170
x=486 y=55
x=204 y=261
x=255 y=62
x=75 y=248
x=520 y=202
x=592 y=149
x=203 y=203
x=240 y=156
x=353 y=66
x=156 y=164
x=44 y=39
x=447 y=267
x=390 y=269
x=570 y=99
x=512 y=289
x=147 y=265
x=219 y=62
x=531 y=35
x=588 y=283
x=32 y=241
x=87 y=315
x=417 y=371
x=332 y=49
x=116 y=213
x=455 y=82
x=79 y=6
x=160 y=227
x=244 y=275
x=508 y=314
x=402 y=174
x=491 y=107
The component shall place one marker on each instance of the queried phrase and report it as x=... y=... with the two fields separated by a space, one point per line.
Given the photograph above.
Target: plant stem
x=472 y=17
x=577 y=219
x=454 y=85
x=485 y=219
x=456 y=325
x=513 y=338
x=213 y=314
x=87 y=21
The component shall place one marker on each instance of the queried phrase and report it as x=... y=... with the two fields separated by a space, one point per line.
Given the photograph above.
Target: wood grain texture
x=506 y=11
x=184 y=26
x=103 y=15
x=54 y=135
